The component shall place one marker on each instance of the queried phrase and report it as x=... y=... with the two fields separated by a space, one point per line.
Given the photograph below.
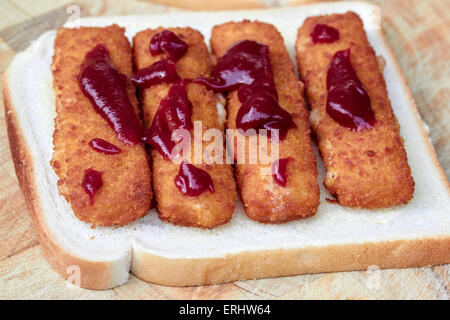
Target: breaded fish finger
x=213 y=206
x=84 y=142
x=366 y=163
x=264 y=199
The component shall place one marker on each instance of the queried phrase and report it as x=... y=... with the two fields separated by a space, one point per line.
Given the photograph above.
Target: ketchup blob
x=162 y=71
x=106 y=88
x=104 y=146
x=192 y=181
x=261 y=111
x=246 y=62
x=279 y=171
x=324 y=34
x=174 y=112
x=92 y=181
x=169 y=43
x=348 y=102
x=246 y=66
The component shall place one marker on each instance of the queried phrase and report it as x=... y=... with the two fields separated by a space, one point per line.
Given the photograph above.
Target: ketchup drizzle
x=106 y=88
x=174 y=112
x=193 y=181
x=279 y=171
x=162 y=71
x=348 y=102
x=262 y=111
x=246 y=62
x=92 y=181
x=104 y=146
x=169 y=43
x=246 y=66
x=323 y=33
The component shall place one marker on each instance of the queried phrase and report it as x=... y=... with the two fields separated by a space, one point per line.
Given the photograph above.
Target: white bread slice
x=336 y=239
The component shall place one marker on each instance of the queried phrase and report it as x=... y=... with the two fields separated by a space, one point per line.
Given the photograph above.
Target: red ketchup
x=106 y=88
x=175 y=109
x=260 y=110
x=92 y=181
x=192 y=181
x=279 y=171
x=324 y=34
x=104 y=146
x=246 y=62
x=348 y=102
x=174 y=112
x=162 y=71
x=169 y=43
x=246 y=66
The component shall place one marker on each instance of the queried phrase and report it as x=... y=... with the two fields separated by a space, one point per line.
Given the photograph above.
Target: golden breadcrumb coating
x=264 y=200
x=126 y=192
x=207 y=210
x=366 y=169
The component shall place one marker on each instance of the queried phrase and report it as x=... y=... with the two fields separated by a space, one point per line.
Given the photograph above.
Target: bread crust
x=94 y=274
x=287 y=262
x=245 y=265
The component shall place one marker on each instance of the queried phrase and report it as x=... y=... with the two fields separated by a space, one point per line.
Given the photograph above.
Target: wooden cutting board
x=418 y=32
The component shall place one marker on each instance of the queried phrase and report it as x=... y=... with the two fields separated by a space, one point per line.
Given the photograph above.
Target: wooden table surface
x=419 y=33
